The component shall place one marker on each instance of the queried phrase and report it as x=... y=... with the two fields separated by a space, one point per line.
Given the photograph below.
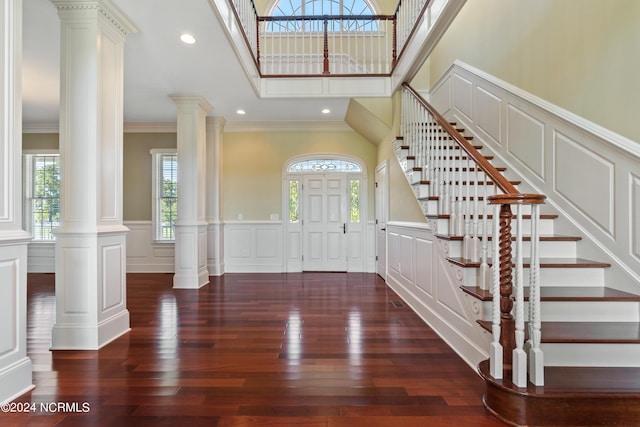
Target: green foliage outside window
x=294 y=201
x=354 y=200
x=169 y=196
x=45 y=200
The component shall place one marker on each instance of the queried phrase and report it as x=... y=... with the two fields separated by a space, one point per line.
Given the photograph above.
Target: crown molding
x=150 y=127
x=282 y=126
x=171 y=127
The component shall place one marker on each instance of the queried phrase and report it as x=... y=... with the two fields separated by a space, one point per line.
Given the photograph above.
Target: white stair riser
x=548 y=249
x=579 y=311
x=554 y=276
x=577 y=354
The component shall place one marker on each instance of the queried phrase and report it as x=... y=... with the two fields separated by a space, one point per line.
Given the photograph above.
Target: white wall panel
x=392 y=251
x=264 y=239
x=144 y=255
x=526 y=139
x=440 y=96
x=488 y=117
x=432 y=289
x=425 y=274
x=634 y=215
x=463 y=96
x=8 y=316
x=254 y=246
x=112 y=277
x=589 y=188
x=406 y=257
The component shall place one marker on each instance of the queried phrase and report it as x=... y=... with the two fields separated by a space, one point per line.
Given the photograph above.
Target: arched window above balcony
x=321 y=7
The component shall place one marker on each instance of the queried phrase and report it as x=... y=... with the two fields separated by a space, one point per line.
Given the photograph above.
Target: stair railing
x=300 y=46
x=466 y=185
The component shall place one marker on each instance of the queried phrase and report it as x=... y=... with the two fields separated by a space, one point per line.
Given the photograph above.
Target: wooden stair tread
x=564 y=293
x=586 y=332
x=592 y=380
x=571 y=396
x=544 y=263
x=490 y=216
x=543 y=238
x=428 y=182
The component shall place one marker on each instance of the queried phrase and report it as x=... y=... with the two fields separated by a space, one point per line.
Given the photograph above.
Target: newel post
x=507 y=322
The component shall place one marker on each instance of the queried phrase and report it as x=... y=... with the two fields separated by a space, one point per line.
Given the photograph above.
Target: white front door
x=324 y=223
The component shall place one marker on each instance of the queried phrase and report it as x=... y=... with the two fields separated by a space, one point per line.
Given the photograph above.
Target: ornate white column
x=15 y=366
x=91 y=240
x=191 y=225
x=215 y=250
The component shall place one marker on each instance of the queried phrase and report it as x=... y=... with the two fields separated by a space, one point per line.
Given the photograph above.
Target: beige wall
x=403 y=205
x=40 y=141
x=137 y=172
x=253 y=163
x=581 y=55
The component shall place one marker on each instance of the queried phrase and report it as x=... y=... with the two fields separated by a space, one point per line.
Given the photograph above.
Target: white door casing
x=381 y=207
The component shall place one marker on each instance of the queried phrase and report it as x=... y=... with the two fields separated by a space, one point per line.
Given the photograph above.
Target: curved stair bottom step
x=571 y=397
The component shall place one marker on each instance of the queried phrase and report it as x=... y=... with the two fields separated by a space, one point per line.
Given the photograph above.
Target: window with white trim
x=165 y=194
x=41 y=194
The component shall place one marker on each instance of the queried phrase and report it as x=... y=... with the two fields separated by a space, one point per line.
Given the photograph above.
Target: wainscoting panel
x=143 y=254
x=634 y=215
x=41 y=257
x=591 y=192
x=488 y=115
x=525 y=134
x=420 y=274
x=253 y=246
x=441 y=99
x=462 y=96
x=589 y=174
x=9 y=292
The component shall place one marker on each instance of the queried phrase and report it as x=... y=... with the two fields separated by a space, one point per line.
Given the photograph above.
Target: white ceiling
x=157 y=64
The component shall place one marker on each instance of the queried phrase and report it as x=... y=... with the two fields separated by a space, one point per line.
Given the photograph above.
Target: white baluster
x=495 y=350
x=519 y=355
x=536 y=357
x=484 y=272
x=467 y=242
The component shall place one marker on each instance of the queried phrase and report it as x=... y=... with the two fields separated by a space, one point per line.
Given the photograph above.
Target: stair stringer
x=431 y=287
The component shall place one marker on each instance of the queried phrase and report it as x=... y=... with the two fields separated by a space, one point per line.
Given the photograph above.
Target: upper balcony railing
x=328 y=45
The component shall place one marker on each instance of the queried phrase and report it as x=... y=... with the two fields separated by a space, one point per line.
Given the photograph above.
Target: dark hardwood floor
x=309 y=349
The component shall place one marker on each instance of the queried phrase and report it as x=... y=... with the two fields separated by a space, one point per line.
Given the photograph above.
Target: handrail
x=324 y=17
x=487 y=167
x=455 y=182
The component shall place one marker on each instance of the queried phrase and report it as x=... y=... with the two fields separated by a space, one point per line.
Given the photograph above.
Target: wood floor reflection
x=308 y=349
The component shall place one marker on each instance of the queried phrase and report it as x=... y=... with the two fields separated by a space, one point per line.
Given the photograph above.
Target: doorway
x=325 y=228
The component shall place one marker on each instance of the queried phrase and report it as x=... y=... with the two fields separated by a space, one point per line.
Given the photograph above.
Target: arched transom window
x=321 y=7
x=324 y=165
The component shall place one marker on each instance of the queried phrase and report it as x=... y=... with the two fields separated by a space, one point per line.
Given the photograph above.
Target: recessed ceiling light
x=325 y=111
x=240 y=112
x=187 y=38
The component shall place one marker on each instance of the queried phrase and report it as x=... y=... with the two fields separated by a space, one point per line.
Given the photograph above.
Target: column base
x=89 y=337
x=91 y=292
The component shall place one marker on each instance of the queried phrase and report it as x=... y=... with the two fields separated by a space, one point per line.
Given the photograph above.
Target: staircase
x=590 y=331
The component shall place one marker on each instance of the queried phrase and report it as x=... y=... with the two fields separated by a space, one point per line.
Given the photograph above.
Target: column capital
x=75 y=9
x=216 y=122
x=191 y=100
